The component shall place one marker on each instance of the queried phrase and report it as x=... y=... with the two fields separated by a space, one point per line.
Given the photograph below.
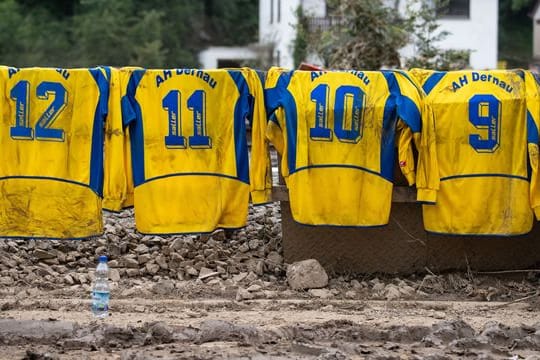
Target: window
x=278 y=11
x=271 y=11
x=455 y=8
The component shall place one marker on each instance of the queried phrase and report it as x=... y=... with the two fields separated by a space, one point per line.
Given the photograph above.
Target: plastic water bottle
x=100 y=289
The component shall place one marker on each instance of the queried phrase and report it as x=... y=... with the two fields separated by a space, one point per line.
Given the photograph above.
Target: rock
x=243 y=248
x=163 y=287
x=254 y=288
x=191 y=271
x=206 y=273
x=407 y=291
x=141 y=249
x=162 y=262
x=274 y=258
x=356 y=284
x=239 y=277
x=113 y=263
x=350 y=294
x=42 y=254
x=143 y=259
x=177 y=244
x=132 y=272
x=391 y=292
x=114 y=275
x=159 y=333
x=152 y=268
x=320 y=293
x=243 y=294
x=254 y=244
x=69 y=280
x=307 y=274
x=130 y=262
x=378 y=287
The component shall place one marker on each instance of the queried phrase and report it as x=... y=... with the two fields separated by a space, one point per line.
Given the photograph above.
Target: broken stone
x=307 y=274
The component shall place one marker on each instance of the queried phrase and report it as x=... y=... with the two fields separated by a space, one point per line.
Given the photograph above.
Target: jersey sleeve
x=115 y=181
x=533 y=124
x=427 y=174
x=260 y=167
x=409 y=104
x=276 y=128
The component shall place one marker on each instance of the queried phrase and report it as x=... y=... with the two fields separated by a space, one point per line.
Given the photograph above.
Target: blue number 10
x=485 y=114
x=197 y=104
x=348 y=104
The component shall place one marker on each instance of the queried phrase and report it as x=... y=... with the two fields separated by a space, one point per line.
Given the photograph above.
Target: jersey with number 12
x=51 y=158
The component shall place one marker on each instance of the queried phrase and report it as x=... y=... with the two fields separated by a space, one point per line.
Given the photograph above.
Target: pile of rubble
x=255 y=249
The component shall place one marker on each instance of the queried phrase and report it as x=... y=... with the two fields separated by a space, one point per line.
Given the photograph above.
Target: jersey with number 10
x=189 y=148
x=51 y=152
x=485 y=177
x=336 y=132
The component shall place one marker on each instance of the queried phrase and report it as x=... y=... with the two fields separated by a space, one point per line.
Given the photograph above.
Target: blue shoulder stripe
x=532 y=130
x=132 y=115
x=96 y=155
x=432 y=81
x=241 y=111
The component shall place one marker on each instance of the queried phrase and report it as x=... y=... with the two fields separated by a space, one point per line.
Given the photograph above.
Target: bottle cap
x=103 y=258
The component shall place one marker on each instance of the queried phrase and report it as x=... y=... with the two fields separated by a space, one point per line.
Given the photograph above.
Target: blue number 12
x=197 y=104
x=20 y=94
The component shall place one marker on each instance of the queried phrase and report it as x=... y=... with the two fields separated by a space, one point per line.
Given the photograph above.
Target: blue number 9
x=485 y=114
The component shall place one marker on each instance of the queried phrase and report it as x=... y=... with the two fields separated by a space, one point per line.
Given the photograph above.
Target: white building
x=473 y=24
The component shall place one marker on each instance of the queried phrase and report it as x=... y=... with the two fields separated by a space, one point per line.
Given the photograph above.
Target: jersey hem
x=342 y=226
x=23 y=237
x=50 y=178
x=192 y=232
x=340 y=166
x=479 y=235
x=192 y=174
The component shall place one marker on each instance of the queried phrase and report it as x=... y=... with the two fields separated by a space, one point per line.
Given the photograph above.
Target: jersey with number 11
x=51 y=157
x=189 y=147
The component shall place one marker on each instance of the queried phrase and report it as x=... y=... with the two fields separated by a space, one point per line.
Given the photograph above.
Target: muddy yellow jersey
x=189 y=148
x=336 y=132
x=484 y=177
x=118 y=179
x=51 y=141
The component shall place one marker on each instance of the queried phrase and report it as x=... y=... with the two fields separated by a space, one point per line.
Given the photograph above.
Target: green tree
x=368 y=36
x=33 y=38
x=425 y=35
x=116 y=33
x=515 y=32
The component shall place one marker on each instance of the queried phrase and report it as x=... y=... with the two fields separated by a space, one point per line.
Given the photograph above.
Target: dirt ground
x=197 y=321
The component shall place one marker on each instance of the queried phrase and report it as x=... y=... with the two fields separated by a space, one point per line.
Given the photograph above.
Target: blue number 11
x=197 y=104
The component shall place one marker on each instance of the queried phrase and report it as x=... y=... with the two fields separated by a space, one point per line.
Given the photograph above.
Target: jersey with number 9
x=51 y=167
x=485 y=177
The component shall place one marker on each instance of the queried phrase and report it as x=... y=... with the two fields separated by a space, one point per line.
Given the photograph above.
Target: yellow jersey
x=189 y=148
x=481 y=178
x=336 y=133
x=51 y=136
x=118 y=179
